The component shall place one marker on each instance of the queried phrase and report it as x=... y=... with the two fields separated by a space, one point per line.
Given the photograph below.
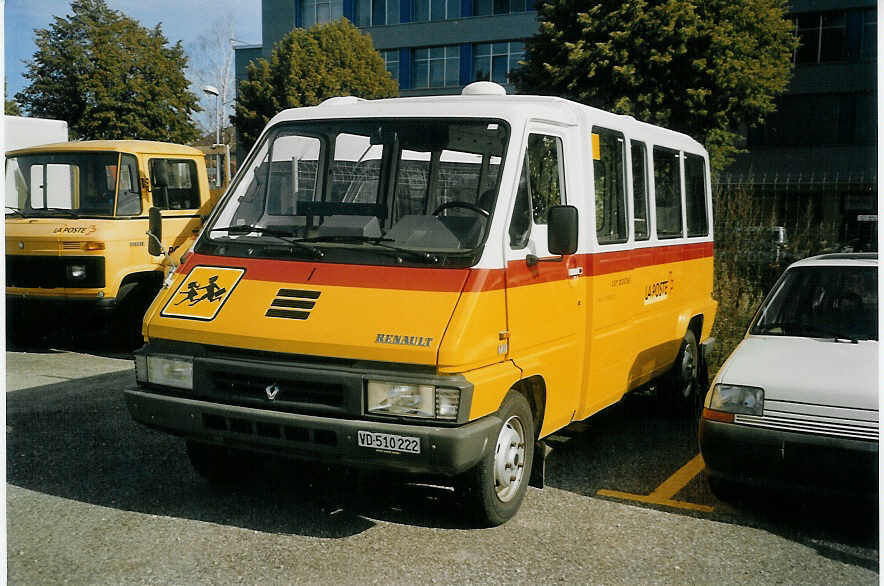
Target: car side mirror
x=562 y=230
x=154 y=232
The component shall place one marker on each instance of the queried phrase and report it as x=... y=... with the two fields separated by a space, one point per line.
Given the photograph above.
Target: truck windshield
x=69 y=183
x=838 y=302
x=407 y=190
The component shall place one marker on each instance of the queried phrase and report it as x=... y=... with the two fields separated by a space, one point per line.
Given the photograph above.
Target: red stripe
x=518 y=272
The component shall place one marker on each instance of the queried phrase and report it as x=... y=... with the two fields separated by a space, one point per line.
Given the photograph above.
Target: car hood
x=390 y=314
x=807 y=370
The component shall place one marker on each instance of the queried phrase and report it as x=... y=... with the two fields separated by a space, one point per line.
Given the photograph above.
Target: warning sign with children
x=202 y=294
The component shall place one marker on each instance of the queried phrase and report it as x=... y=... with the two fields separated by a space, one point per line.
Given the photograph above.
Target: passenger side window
x=695 y=195
x=639 y=154
x=667 y=186
x=174 y=184
x=129 y=197
x=609 y=153
x=541 y=186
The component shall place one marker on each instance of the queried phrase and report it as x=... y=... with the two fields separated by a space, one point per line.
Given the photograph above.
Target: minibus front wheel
x=496 y=486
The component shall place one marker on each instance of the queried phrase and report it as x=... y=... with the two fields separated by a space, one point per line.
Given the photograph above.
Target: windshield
x=72 y=183
x=403 y=191
x=823 y=302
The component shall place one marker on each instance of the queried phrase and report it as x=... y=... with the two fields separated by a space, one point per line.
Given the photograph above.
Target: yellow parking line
x=663 y=494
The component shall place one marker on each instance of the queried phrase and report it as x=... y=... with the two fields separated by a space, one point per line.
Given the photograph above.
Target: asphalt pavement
x=93 y=498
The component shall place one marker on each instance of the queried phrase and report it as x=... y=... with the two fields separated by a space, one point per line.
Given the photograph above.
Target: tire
x=133 y=303
x=217 y=464
x=681 y=385
x=496 y=486
x=722 y=489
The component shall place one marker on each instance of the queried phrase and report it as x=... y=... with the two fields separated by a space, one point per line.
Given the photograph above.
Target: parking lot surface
x=93 y=498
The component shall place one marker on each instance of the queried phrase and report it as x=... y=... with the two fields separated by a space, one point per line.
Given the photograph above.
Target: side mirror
x=562 y=230
x=155 y=232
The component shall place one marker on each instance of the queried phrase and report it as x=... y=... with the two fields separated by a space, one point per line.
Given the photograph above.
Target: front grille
x=270 y=430
x=829 y=426
x=50 y=272
x=71 y=246
x=252 y=386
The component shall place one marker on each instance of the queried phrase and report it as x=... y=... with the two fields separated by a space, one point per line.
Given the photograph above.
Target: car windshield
x=407 y=190
x=838 y=302
x=69 y=184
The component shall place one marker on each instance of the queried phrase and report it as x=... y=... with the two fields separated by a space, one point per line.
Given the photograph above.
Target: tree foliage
x=109 y=77
x=702 y=67
x=306 y=67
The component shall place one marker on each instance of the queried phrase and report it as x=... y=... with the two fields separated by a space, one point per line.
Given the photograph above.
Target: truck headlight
x=166 y=370
x=412 y=400
x=737 y=399
x=76 y=272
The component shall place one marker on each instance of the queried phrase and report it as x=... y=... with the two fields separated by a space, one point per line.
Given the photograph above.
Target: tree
x=10 y=106
x=306 y=67
x=702 y=67
x=109 y=77
x=211 y=63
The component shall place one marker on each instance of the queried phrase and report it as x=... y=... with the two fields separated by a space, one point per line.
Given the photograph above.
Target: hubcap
x=688 y=370
x=509 y=459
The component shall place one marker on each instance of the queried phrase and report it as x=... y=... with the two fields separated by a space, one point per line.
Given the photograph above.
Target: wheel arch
x=534 y=390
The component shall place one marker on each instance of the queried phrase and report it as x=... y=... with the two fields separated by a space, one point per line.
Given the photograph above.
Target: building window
x=424 y=10
x=495 y=61
x=376 y=12
x=823 y=37
x=868 y=51
x=489 y=7
x=320 y=11
x=436 y=67
x=391 y=62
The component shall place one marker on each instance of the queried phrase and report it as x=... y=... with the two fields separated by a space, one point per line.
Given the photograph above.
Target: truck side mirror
x=155 y=232
x=562 y=230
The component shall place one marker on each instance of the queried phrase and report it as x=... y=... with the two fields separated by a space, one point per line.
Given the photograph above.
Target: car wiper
x=282 y=235
x=11 y=210
x=64 y=211
x=377 y=241
x=799 y=329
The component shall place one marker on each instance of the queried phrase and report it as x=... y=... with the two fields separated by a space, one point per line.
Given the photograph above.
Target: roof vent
x=483 y=88
x=341 y=101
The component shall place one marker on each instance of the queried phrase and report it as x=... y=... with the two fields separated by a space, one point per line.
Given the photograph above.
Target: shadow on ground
x=76 y=440
x=634 y=446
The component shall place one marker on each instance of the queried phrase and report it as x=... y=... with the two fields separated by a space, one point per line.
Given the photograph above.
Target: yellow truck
x=77 y=224
x=434 y=285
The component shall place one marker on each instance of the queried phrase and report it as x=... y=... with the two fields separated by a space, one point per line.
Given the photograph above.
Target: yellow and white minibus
x=433 y=285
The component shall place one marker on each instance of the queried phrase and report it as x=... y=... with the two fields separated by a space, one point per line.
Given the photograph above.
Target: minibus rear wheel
x=496 y=486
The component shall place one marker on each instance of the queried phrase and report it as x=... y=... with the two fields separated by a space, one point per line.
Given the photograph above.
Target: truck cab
x=76 y=224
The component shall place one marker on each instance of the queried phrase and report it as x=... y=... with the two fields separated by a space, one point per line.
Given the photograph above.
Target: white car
x=796 y=404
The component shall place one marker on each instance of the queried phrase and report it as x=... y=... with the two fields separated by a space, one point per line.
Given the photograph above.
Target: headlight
x=737 y=399
x=76 y=272
x=412 y=400
x=166 y=370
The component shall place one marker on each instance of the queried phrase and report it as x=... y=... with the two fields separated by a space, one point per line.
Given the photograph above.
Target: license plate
x=386 y=441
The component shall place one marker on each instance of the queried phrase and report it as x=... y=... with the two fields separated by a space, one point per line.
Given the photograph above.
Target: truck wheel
x=133 y=302
x=496 y=486
x=217 y=464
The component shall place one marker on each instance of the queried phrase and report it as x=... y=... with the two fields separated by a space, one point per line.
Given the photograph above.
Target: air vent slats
x=293 y=304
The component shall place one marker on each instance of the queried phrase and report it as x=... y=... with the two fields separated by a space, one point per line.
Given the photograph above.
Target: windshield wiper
x=67 y=212
x=11 y=210
x=377 y=241
x=799 y=329
x=275 y=233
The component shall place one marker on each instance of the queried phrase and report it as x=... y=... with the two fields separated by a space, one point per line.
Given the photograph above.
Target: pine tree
x=109 y=78
x=702 y=67
x=306 y=67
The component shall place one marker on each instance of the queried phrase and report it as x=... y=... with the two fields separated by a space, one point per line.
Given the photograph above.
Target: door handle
x=575 y=271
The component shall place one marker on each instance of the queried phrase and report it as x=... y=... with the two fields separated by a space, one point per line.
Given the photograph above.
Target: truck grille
x=50 y=272
x=829 y=426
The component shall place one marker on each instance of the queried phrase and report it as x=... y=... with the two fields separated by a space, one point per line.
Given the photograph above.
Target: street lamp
x=213 y=91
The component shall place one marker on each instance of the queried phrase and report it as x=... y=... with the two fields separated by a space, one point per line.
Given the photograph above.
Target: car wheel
x=217 y=464
x=722 y=489
x=496 y=486
x=681 y=385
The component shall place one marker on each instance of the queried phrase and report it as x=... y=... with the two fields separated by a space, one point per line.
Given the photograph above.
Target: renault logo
x=272 y=391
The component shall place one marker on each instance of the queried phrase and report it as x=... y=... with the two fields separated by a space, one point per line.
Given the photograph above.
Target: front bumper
x=443 y=450
x=787 y=460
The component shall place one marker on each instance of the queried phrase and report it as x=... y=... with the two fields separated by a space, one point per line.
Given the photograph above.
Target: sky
x=184 y=20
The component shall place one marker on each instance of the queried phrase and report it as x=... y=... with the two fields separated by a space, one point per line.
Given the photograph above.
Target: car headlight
x=165 y=370
x=412 y=400
x=76 y=272
x=737 y=399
